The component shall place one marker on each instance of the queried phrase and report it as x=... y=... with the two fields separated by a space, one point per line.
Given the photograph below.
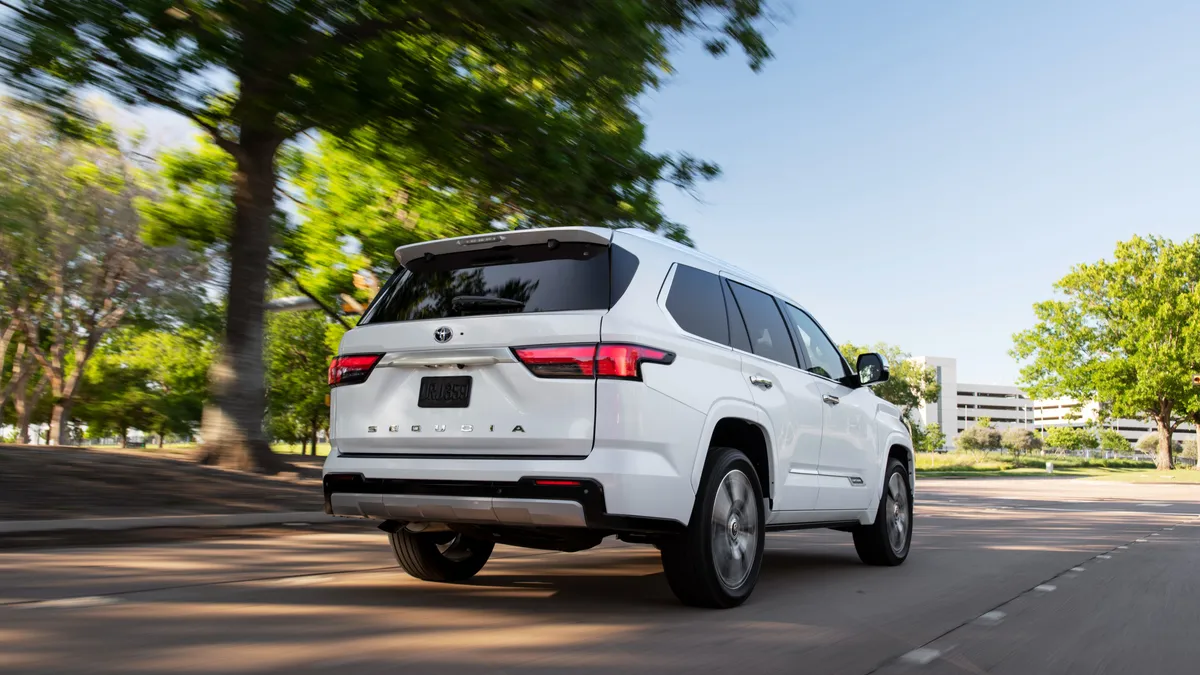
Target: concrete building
x=961 y=404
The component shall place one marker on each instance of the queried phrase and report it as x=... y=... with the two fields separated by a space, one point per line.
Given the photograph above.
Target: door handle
x=760 y=381
x=831 y=399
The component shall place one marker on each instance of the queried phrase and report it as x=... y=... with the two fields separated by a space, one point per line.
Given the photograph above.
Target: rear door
x=791 y=399
x=448 y=381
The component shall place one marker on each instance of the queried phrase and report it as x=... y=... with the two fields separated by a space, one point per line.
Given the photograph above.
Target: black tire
x=440 y=556
x=690 y=560
x=877 y=544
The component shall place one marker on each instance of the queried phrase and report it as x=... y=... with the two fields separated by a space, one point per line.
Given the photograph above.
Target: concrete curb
x=117 y=524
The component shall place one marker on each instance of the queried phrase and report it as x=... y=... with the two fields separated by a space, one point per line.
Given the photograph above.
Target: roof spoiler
x=591 y=235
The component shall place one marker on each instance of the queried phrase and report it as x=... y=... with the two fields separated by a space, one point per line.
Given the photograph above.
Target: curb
x=121 y=524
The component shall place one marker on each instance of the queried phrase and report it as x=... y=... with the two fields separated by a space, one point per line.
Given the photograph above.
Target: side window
x=696 y=303
x=738 y=337
x=769 y=336
x=826 y=360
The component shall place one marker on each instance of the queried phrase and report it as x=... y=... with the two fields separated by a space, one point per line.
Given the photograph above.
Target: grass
x=280 y=448
x=978 y=464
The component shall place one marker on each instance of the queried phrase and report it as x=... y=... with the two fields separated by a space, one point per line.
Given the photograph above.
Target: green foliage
x=1071 y=438
x=1020 y=441
x=153 y=380
x=1149 y=443
x=909 y=384
x=1123 y=332
x=985 y=422
x=1188 y=449
x=297 y=364
x=1112 y=440
x=929 y=438
x=977 y=439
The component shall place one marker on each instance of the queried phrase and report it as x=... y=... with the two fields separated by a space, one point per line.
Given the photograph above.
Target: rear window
x=571 y=276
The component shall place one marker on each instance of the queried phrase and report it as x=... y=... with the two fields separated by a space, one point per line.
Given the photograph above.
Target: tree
x=1188 y=449
x=1113 y=441
x=910 y=384
x=154 y=380
x=1020 y=441
x=1071 y=438
x=71 y=256
x=532 y=100
x=928 y=439
x=297 y=363
x=1123 y=332
x=977 y=438
x=985 y=422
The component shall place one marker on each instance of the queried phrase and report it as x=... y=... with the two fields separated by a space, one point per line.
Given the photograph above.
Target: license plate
x=445 y=392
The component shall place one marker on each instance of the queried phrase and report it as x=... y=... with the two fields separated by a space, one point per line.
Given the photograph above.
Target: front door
x=848 y=464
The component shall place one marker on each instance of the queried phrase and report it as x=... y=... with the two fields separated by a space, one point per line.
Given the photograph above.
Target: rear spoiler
x=588 y=235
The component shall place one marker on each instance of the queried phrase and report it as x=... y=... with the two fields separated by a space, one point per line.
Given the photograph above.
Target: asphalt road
x=1033 y=576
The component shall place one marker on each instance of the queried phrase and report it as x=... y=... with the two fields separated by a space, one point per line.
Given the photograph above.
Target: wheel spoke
x=734 y=528
x=894 y=487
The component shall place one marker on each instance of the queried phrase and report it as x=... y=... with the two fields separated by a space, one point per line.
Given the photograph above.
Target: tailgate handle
x=442 y=361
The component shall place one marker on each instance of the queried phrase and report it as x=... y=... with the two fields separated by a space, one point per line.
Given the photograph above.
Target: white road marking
x=921 y=656
x=991 y=618
x=83 y=601
x=298 y=581
x=1153 y=534
x=1104 y=557
x=1078 y=569
x=1141 y=541
x=1122 y=547
x=1046 y=588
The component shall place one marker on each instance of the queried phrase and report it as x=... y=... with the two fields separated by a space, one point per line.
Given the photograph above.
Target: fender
x=892 y=437
x=732 y=407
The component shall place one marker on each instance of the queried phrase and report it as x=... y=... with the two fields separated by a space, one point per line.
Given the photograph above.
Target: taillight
x=624 y=362
x=572 y=361
x=608 y=361
x=351 y=369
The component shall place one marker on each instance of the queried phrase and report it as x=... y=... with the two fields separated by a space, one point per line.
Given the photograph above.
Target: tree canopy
x=1020 y=441
x=527 y=104
x=909 y=384
x=1123 y=332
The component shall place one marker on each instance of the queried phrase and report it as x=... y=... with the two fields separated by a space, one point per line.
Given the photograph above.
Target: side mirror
x=872 y=369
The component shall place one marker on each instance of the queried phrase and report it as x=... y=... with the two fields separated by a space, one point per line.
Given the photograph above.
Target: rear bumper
x=618 y=490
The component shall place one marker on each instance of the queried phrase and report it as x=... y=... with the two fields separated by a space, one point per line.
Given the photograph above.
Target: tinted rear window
x=769 y=336
x=501 y=280
x=696 y=303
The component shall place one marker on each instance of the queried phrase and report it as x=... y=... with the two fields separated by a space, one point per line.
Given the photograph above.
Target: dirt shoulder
x=42 y=483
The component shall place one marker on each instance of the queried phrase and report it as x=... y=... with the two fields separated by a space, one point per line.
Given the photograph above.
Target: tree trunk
x=232 y=425
x=124 y=438
x=160 y=440
x=303 y=446
x=313 y=437
x=1164 y=461
x=60 y=418
x=25 y=403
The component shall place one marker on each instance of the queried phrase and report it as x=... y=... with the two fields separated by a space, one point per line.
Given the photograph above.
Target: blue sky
x=922 y=172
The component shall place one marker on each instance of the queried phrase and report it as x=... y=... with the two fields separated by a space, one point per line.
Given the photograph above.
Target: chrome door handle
x=831 y=399
x=760 y=381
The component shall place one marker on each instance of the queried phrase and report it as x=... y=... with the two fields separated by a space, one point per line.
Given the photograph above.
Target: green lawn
x=980 y=464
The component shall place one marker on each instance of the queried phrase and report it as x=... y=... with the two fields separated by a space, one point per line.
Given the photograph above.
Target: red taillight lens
x=609 y=361
x=624 y=362
x=573 y=361
x=557 y=483
x=351 y=369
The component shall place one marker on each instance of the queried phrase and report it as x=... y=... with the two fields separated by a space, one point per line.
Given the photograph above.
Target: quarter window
x=824 y=359
x=768 y=333
x=696 y=304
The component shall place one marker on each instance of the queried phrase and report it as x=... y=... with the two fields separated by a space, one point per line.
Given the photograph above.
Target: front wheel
x=440 y=556
x=887 y=540
x=717 y=561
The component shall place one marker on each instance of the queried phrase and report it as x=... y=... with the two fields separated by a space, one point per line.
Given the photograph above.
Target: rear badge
x=416 y=427
x=443 y=334
x=518 y=428
x=467 y=428
x=394 y=428
x=439 y=427
x=371 y=430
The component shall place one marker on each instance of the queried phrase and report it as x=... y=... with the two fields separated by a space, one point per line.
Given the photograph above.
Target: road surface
x=1010 y=576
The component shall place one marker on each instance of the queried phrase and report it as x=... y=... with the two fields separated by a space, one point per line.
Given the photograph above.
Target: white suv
x=549 y=388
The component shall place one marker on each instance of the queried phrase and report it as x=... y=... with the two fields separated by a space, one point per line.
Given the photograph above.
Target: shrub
x=1020 y=441
x=1112 y=440
x=1149 y=444
x=977 y=438
x=1071 y=438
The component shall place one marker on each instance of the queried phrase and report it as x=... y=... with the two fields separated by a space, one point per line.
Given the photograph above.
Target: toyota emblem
x=443 y=334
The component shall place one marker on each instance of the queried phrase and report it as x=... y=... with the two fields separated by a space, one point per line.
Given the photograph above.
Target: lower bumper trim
x=456 y=509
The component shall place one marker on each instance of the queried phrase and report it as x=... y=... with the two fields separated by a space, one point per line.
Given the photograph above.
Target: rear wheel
x=716 y=562
x=440 y=556
x=887 y=540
